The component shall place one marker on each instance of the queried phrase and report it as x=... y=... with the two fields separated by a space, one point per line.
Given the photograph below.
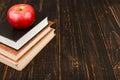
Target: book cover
x=17 y=38
x=29 y=55
x=16 y=54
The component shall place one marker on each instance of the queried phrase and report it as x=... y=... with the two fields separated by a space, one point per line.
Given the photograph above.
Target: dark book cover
x=15 y=38
x=6 y=30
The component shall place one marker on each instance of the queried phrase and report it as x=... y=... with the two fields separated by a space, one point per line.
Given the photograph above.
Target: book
x=17 y=38
x=16 y=54
x=30 y=54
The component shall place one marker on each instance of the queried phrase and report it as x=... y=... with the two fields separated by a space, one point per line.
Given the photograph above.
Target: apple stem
x=20 y=9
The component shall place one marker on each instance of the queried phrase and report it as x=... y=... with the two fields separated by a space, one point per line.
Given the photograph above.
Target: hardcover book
x=22 y=62
x=16 y=54
x=17 y=38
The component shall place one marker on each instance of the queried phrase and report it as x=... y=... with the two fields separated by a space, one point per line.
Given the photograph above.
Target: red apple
x=21 y=16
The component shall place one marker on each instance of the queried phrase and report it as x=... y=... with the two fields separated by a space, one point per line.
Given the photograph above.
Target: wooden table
x=86 y=46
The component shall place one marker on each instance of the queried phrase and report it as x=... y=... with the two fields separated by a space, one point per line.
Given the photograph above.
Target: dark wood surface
x=86 y=46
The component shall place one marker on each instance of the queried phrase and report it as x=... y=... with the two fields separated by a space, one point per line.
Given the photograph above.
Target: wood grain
x=86 y=46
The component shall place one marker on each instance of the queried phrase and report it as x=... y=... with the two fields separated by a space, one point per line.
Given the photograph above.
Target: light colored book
x=17 y=38
x=16 y=54
x=30 y=54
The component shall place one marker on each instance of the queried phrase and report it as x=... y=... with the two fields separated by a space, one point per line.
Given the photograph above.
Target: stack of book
x=19 y=47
